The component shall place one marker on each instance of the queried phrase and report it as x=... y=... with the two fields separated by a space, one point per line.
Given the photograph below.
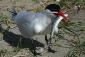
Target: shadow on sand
x=19 y=41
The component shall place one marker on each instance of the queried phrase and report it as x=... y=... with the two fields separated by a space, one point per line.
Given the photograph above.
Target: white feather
x=55 y=26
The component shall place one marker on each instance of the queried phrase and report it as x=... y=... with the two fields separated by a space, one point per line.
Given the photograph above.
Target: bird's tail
x=13 y=12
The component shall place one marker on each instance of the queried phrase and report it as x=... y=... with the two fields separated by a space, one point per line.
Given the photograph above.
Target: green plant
x=77 y=50
x=4 y=19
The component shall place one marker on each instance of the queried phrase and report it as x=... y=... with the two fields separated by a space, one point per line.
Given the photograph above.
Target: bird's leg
x=46 y=39
x=48 y=42
x=19 y=42
x=33 y=47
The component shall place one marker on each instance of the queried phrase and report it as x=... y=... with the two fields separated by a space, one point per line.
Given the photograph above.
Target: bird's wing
x=41 y=22
x=30 y=23
x=24 y=23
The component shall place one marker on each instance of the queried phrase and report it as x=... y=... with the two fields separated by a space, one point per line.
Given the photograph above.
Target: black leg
x=48 y=42
x=51 y=50
x=33 y=47
x=46 y=39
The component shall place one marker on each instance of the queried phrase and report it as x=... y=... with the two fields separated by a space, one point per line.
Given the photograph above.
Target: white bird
x=44 y=22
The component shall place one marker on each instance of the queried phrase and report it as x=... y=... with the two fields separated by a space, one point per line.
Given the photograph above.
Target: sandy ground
x=10 y=40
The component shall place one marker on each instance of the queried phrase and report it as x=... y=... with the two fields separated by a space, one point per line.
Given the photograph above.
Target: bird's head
x=56 y=10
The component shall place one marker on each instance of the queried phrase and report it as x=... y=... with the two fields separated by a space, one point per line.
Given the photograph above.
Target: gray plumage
x=30 y=23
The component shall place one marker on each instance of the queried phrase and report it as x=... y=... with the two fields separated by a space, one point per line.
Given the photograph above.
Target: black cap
x=53 y=7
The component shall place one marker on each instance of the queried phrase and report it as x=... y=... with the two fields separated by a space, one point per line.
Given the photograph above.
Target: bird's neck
x=58 y=21
x=55 y=26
